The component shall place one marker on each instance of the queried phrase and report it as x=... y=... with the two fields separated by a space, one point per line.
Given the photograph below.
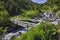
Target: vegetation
x=29 y=14
x=2 y=31
x=26 y=9
x=42 y=32
x=3 y=16
x=58 y=13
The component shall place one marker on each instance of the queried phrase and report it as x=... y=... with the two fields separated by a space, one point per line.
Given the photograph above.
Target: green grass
x=41 y=32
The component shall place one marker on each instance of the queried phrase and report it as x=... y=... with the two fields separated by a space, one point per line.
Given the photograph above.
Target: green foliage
x=58 y=13
x=30 y=14
x=3 y=31
x=42 y=32
x=31 y=10
x=46 y=8
x=15 y=7
x=13 y=37
x=3 y=15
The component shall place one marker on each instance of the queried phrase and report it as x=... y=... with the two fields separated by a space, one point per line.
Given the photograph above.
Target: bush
x=30 y=13
x=58 y=13
x=13 y=37
x=3 y=15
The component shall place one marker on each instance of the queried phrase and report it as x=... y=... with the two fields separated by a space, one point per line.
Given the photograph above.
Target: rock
x=55 y=22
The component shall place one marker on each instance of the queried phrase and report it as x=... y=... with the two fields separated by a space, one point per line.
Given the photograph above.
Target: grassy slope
x=42 y=32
